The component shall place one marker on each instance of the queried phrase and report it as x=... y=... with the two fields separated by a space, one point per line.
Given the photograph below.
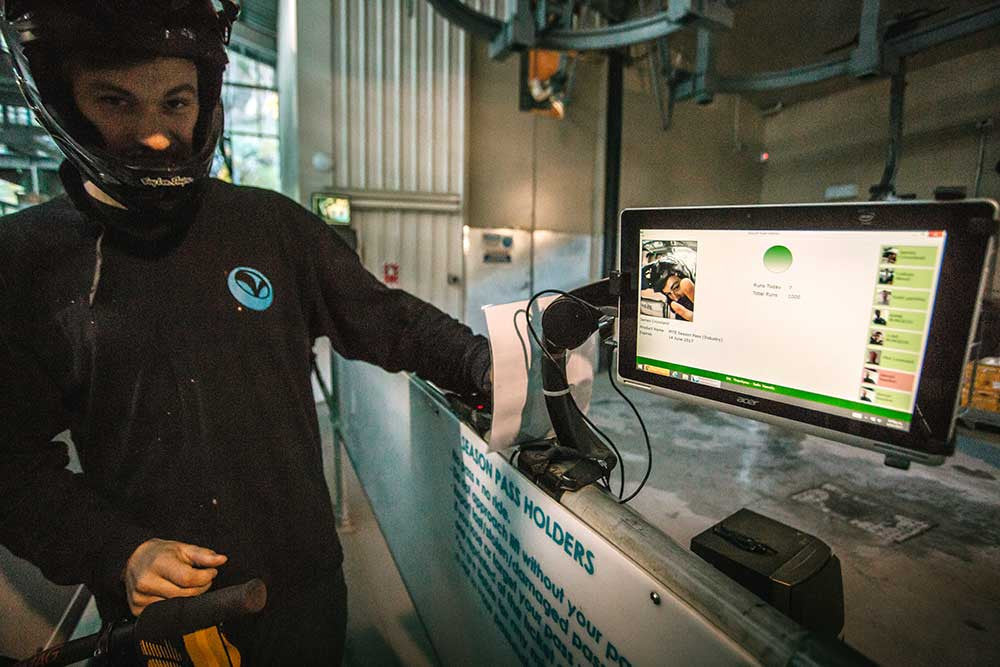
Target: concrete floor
x=920 y=549
x=382 y=625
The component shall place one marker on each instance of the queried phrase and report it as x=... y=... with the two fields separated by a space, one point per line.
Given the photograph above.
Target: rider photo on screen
x=668 y=279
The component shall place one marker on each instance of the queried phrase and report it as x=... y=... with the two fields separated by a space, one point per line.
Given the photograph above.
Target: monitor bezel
x=971 y=227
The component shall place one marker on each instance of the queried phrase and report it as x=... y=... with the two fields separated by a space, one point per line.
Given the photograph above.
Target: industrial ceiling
x=769 y=35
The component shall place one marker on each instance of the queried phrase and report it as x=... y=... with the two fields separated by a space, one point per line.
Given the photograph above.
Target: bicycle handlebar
x=179 y=616
x=166 y=619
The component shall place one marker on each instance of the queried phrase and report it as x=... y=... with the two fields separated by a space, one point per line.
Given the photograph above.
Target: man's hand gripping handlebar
x=167 y=619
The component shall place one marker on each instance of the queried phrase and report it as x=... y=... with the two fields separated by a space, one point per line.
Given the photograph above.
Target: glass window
x=250 y=147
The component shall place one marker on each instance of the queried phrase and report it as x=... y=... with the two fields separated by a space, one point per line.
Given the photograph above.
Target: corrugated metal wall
x=500 y=9
x=400 y=107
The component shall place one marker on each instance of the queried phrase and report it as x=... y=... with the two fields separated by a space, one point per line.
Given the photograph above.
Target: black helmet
x=655 y=274
x=42 y=33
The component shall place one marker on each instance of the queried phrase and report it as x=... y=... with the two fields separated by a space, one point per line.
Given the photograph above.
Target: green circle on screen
x=778 y=259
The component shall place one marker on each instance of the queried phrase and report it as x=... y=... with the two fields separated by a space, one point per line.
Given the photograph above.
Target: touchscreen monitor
x=852 y=321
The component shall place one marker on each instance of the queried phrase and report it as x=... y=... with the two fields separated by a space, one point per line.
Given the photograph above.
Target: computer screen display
x=333 y=208
x=825 y=316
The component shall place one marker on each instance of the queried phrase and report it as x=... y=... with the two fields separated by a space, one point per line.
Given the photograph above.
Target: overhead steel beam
x=788 y=78
x=661 y=71
x=517 y=33
x=685 y=14
x=981 y=18
x=614 y=36
x=866 y=59
x=705 y=80
x=873 y=55
x=908 y=44
x=508 y=36
x=709 y=13
x=457 y=12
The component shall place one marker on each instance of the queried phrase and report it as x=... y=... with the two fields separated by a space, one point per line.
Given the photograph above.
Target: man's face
x=672 y=287
x=145 y=111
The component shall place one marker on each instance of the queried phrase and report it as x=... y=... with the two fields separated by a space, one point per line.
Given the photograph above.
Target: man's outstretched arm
x=390 y=327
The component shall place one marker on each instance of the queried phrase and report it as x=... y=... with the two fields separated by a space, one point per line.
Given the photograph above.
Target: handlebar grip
x=176 y=617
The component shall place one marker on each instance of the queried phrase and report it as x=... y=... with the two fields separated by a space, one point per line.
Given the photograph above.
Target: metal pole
x=886 y=189
x=984 y=130
x=613 y=158
x=330 y=397
x=612 y=172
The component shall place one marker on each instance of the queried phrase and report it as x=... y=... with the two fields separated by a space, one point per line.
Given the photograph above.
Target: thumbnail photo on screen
x=668 y=279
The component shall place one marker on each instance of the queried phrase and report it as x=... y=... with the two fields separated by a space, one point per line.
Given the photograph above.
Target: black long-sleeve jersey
x=183 y=375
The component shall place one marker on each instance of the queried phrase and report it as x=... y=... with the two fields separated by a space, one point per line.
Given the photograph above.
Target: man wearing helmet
x=167 y=320
x=670 y=280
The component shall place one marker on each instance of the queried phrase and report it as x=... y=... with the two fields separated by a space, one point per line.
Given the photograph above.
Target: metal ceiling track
x=881 y=45
x=531 y=26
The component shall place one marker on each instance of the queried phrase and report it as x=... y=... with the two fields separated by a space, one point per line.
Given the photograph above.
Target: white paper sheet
x=519 y=413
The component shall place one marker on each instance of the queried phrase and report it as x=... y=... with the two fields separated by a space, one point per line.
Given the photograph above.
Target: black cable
x=565 y=379
x=610 y=443
x=645 y=434
x=605 y=480
x=520 y=338
x=586 y=419
x=225 y=649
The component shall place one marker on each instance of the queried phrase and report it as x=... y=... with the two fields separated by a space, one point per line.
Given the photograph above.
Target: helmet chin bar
x=578 y=457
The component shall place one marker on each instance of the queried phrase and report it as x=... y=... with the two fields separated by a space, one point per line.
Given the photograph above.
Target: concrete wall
x=533 y=172
x=708 y=156
x=523 y=165
x=517 y=159
x=842 y=138
x=528 y=171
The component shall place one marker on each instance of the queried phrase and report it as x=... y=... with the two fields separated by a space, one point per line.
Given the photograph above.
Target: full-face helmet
x=42 y=34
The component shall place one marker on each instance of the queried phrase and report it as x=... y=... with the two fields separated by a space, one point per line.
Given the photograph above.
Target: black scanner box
x=795 y=572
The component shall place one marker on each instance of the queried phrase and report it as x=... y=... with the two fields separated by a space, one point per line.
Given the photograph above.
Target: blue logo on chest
x=251 y=288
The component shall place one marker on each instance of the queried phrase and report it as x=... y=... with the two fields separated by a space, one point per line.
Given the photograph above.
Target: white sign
x=558 y=592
